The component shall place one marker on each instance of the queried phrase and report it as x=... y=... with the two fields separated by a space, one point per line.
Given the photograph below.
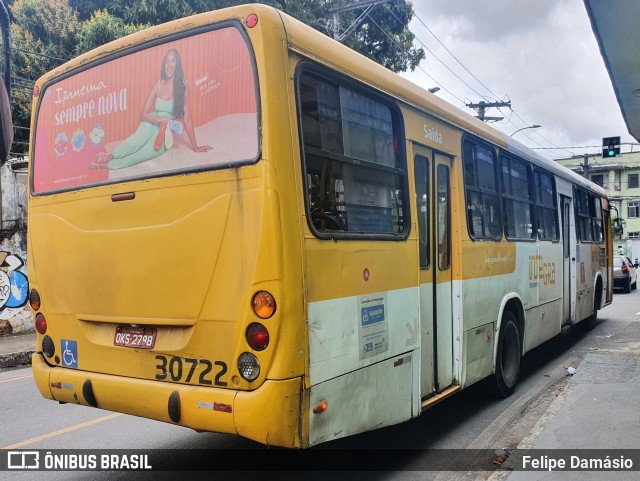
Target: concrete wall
x=15 y=314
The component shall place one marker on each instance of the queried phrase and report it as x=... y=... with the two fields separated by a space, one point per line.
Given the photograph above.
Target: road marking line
x=63 y=431
x=16 y=378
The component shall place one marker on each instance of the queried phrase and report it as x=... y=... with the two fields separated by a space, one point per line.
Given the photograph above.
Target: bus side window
x=355 y=176
x=481 y=189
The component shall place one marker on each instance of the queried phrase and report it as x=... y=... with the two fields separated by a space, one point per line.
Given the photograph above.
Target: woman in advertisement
x=166 y=110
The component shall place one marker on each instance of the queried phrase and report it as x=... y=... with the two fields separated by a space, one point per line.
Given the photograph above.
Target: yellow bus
x=238 y=225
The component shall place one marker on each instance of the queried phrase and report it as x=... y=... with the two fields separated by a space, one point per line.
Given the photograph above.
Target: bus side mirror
x=618 y=228
x=6 y=127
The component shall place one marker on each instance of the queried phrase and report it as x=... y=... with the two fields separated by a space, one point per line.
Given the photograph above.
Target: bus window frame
x=538 y=204
x=109 y=57
x=321 y=71
x=506 y=155
x=589 y=196
x=467 y=137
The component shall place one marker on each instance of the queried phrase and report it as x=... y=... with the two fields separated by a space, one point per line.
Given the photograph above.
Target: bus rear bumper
x=269 y=415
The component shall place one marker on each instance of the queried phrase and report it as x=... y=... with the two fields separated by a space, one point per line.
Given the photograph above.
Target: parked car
x=625 y=275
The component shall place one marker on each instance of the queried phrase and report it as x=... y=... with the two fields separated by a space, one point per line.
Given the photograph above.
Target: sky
x=541 y=55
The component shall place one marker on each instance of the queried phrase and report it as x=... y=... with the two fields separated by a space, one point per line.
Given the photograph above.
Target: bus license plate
x=138 y=337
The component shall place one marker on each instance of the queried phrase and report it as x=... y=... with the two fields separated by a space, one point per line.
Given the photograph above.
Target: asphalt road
x=470 y=419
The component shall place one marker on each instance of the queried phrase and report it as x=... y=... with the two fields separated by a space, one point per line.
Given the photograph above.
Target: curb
x=15 y=359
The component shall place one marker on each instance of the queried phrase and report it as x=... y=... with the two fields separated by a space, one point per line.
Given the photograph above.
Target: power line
x=38 y=54
x=475 y=77
x=451 y=53
x=434 y=55
x=432 y=78
x=423 y=70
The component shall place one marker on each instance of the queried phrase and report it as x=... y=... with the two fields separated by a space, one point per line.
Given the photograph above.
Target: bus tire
x=507 y=357
x=590 y=322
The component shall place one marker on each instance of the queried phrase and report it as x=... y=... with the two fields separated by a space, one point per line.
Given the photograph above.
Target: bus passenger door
x=606 y=223
x=443 y=314
x=422 y=170
x=432 y=178
x=568 y=240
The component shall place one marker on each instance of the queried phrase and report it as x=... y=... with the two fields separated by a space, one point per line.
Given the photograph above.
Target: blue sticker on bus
x=69 y=353
x=372 y=314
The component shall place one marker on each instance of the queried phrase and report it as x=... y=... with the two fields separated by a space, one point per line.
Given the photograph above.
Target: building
x=620 y=177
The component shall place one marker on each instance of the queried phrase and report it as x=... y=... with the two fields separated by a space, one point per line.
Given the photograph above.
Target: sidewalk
x=16 y=350
x=599 y=409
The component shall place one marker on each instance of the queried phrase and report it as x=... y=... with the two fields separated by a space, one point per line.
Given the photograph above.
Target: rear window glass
x=187 y=104
x=617 y=261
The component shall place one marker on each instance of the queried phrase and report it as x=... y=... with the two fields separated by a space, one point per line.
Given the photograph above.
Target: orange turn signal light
x=320 y=407
x=264 y=305
x=34 y=300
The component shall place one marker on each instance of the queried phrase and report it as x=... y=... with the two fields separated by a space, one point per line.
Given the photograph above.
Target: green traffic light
x=611 y=153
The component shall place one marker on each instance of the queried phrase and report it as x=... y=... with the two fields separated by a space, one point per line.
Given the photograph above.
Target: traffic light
x=610 y=146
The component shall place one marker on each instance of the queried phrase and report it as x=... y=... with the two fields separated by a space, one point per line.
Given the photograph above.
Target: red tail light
x=252 y=20
x=625 y=269
x=257 y=336
x=41 y=323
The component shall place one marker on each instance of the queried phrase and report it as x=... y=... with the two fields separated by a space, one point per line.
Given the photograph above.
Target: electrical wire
x=475 y=77
x=423 y=70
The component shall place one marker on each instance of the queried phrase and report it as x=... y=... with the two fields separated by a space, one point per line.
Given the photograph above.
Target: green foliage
x=43 y=36
x=103 y=28
x=51 y=21
x=383 y=36
x=152 y=12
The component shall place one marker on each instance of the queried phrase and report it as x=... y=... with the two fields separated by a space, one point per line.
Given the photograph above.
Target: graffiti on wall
x=14 y=285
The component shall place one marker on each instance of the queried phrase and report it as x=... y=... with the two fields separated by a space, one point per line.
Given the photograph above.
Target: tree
x=153 y=12
x=383 y=36
x=102 y=28
x=43 y=36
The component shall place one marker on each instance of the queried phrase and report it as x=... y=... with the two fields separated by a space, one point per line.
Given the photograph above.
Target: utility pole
x=481 y=106
x=585 y=166
x=347 y=8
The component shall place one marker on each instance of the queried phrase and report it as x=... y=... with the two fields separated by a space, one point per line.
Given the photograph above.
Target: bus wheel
x=508 y=356
x=590 y=322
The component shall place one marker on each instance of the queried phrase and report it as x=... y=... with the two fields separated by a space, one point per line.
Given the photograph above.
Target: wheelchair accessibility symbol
x=69 y=353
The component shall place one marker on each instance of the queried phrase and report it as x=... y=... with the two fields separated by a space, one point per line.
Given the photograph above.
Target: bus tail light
x=320 y=407
x=252 y=20
x=257 y=336
x=41 y=323
x=264 y=305
x=34 y=300
x=48 y=347
x=248 y=366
